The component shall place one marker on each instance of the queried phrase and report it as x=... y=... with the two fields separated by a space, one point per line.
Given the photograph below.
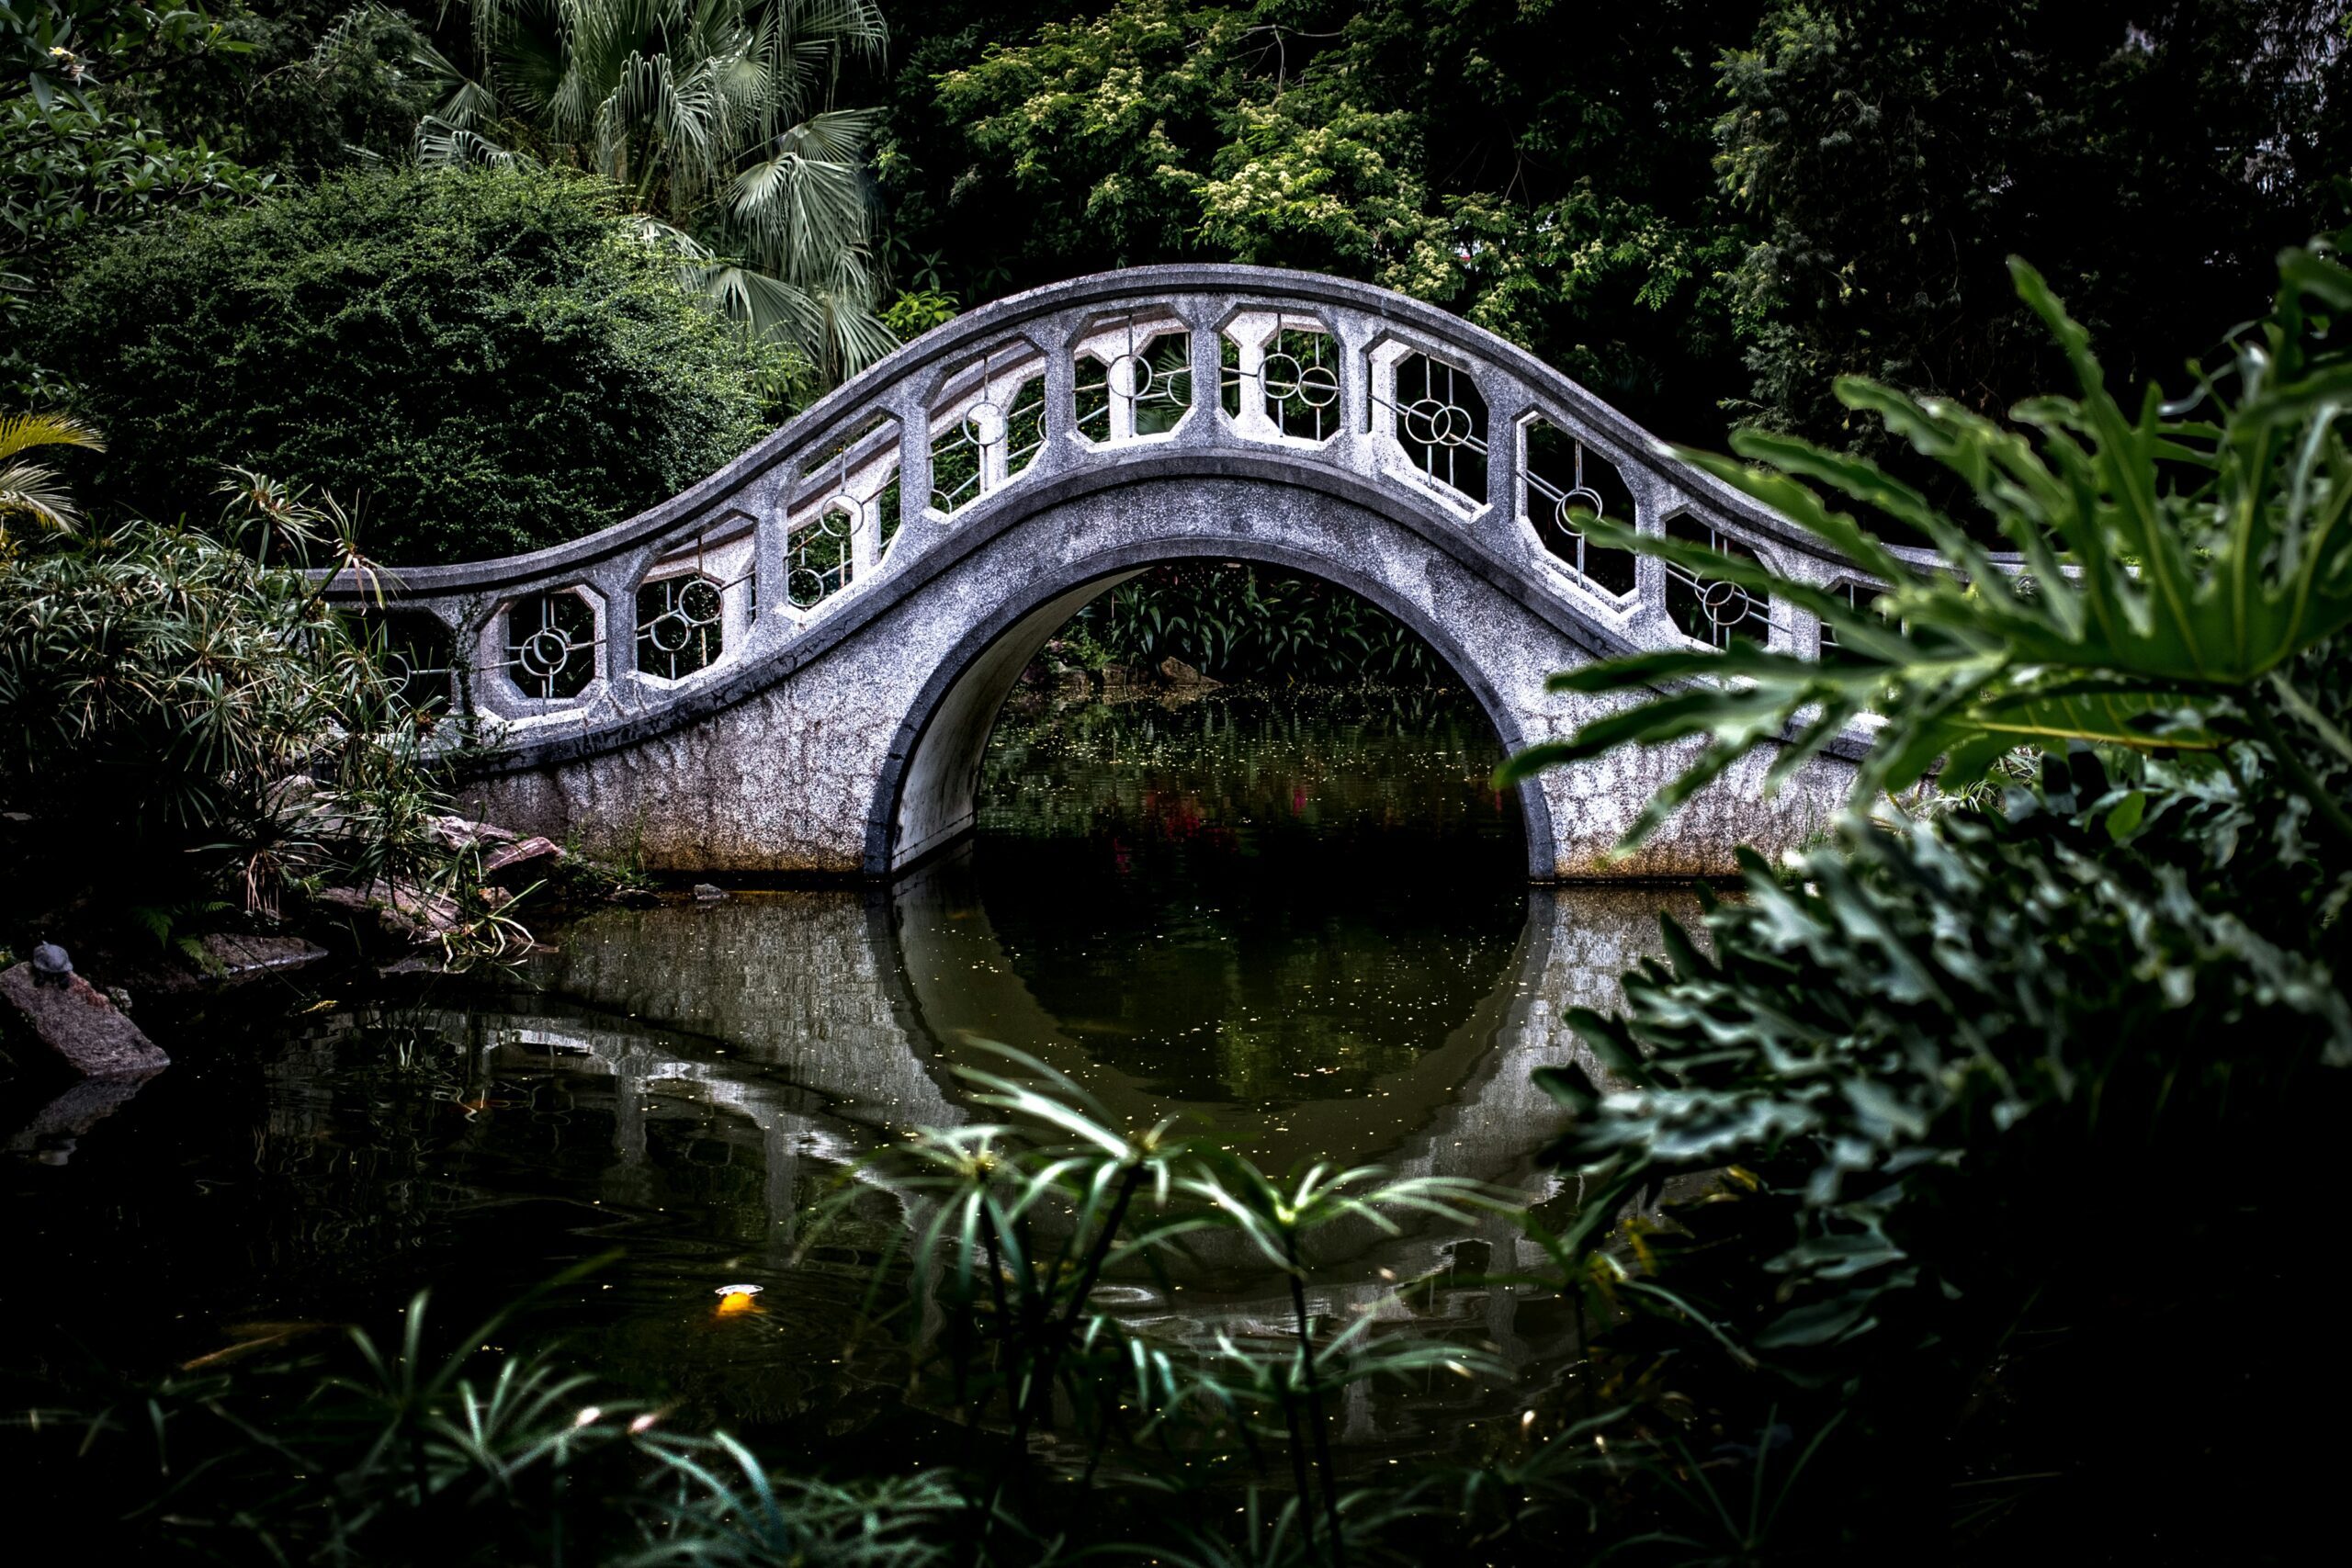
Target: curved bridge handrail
x=753 y=570
x=953 y=340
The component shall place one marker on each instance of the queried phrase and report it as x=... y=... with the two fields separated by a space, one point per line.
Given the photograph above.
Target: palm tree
x=715 y=121
x=30 y=490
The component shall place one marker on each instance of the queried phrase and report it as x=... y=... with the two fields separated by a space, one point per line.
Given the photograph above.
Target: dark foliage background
x=1234 y=621
x=1706 y=209
x=1702 y=208
x=482 y=363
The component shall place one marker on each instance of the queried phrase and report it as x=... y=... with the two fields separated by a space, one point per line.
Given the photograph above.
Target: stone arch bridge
x=794 y=666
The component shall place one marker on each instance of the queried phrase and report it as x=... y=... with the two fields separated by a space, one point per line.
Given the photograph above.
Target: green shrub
x=1988 y=1114
x=185 y=727
x=488 y=361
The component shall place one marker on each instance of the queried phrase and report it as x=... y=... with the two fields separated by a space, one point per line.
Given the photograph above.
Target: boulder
x=76 y=1025
x=236 y=958
x=511 y=862
x=464 y=832
x=402 y=910
x=1182 y=676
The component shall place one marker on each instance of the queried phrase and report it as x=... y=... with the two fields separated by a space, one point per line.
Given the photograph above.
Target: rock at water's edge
x=500 y=864
x=1183 y=677
x=237 y=958
x=76 y=1024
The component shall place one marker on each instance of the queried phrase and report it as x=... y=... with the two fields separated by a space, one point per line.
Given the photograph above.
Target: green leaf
x=2170 y=567
x=2124 y=818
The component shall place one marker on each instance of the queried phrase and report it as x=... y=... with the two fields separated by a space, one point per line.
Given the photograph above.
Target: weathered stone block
x=237 y=957
x=75 y=1026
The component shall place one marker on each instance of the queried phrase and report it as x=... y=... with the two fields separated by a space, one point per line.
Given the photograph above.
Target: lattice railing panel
x=1562 y=480
x=1709 y=609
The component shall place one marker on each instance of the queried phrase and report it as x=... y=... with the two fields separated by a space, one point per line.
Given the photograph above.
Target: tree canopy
x=1702 y=209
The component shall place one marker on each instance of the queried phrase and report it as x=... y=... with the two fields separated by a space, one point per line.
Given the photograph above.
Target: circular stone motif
x=545 y=652
x=1129 y=378
x=985 y=424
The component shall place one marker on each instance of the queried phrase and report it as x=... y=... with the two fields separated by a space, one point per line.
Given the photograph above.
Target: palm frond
x=712 y=117
x=23 y=432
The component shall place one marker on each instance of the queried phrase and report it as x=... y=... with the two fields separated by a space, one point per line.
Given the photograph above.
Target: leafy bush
x=67 y=171
x=488 y=361
x=1916 y=1049
x=185 y=724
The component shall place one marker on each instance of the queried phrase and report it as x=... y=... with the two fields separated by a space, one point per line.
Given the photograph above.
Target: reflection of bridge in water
x=826 y=1023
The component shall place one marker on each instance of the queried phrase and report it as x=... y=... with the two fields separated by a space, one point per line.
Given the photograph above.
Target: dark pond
x=1298 y=920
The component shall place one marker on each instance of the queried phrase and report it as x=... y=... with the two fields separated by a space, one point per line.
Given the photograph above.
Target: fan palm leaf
x=711 y=116
x=34 y=490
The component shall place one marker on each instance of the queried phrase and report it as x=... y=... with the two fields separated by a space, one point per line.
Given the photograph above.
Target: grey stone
x=841 y=728
x=1183 y=677
x=709 y=893
x=400 y=908
x=511 y=862
x=459 y=832
x=235 y=957
x=74 y=1025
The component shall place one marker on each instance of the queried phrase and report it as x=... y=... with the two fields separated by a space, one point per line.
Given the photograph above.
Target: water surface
x=1297 y=923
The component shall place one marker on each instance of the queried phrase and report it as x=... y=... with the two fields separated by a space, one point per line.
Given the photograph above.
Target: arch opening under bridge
x=793 y=667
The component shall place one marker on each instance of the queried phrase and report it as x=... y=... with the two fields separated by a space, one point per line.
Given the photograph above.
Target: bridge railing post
x=616 y=581
x=1352 y=333
x=1204 y=426
x=914 y=453
x=1508 y=406
x=771 y=533
x=1060 y=337
x=1652 y=499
